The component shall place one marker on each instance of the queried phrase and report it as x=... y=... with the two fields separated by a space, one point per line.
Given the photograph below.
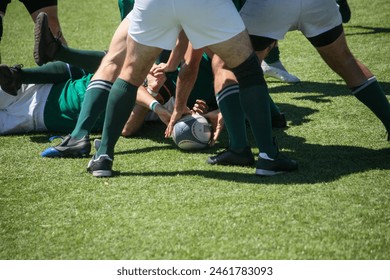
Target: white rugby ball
x=192 y=132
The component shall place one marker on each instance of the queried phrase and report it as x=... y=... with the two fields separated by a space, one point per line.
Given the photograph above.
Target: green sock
x=255 y=101
x=125 y=7
x=228 y=100
x=88 y=60
x=50 y=73
x=121 y=101
x=273 y=55
x=371 y=94
x=274 y=109
x=95 y=101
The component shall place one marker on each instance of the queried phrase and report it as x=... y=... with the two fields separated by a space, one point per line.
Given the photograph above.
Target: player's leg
x=95 y=99
x=120 y=103
x=238 y=54
x=357 y=76
x=227 y=95
x=97 y=92
x=263 y=46
x=12 y=77
x=228 y=100
x=48 y=48
x=150 y=99
x=50 y=8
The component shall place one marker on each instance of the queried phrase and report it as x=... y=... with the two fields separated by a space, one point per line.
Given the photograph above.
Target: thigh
x=138 y=62
x=112 y=62
x=270 y=18
x=235 y=50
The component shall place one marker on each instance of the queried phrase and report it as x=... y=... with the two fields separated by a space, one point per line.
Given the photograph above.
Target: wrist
x=153 y=104
x=151 y=92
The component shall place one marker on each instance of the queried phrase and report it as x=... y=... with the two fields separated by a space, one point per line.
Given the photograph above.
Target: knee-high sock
x=95 y=101
x=228 y=100
x=371 y=94
x=50 y=73
x=273 y=55
x=255 y=101
x=273 y=107
x=121 y=101
x=88 y=60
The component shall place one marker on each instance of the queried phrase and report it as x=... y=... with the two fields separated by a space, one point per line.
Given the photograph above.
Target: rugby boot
x=10 y=78
x=69 y=147
x=101 y=166
x=266 y=166
x=45 y=45
x=230 y=157
x=277 y=71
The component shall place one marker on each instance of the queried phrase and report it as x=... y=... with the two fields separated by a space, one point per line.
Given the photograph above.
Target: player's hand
x=200 y=107
x=176 y=115
x=155 y=82
x=162 y=68
x=217 y=123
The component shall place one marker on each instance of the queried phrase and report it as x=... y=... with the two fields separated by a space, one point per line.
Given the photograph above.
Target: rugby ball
x=192 y=132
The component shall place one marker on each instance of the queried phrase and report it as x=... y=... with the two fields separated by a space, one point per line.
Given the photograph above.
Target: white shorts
x=273 y=19
x=157 y=23
x=23 y=113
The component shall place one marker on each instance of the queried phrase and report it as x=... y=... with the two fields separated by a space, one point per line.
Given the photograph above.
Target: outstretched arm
x=185 y=82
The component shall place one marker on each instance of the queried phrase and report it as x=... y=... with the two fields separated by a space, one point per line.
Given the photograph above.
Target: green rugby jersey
x=204 y=85
x=64 y=104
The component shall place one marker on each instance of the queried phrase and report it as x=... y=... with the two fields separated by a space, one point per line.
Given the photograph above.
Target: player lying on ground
x=49 y=98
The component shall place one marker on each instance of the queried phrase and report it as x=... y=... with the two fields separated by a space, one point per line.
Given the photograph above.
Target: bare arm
x=175 y=57
x=185 y=82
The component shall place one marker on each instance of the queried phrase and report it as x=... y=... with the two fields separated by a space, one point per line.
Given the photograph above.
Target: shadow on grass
x=317 y=163
x=367 y=30
x=324 y=90
x=155 y=131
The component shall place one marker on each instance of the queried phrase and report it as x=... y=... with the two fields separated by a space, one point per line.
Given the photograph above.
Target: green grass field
x=167 y=204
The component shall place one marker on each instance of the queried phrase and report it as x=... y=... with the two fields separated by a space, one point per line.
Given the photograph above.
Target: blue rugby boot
x=69 y=147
